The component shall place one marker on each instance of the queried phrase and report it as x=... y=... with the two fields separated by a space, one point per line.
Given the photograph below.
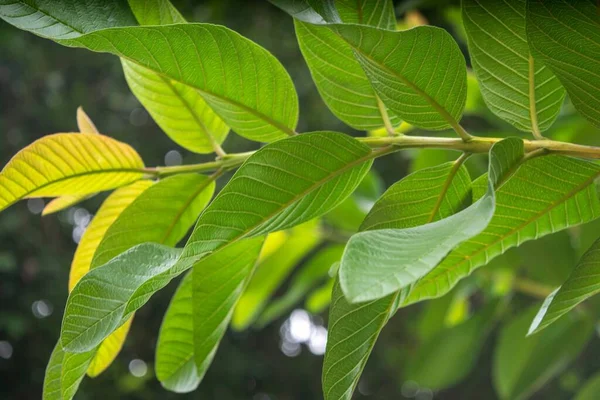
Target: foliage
x=301 y=193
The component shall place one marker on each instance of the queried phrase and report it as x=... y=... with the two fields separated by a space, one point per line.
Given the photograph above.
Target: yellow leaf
x=63 y=202
x=68 y=164
x=110 y=210
x=108 y=350
x=84 y=122
x=273 y=242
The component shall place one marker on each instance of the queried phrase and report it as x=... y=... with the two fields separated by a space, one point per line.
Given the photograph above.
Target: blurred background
x=41 y=86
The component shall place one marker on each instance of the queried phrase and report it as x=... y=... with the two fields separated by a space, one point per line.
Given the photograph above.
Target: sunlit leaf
x=84 y=122
x=178 y=109
x=94 y=233
x=108 y=350
x=273 y=270
x=582 y=284
x=68 y=164
x=64 y=373
x=565 y=36
x=523 y=364
x=336 y=72
x=515 y=87
x=319 y=299
x=313 y=271
x=62 y=203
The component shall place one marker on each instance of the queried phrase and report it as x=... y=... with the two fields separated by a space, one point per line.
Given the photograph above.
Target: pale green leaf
x=523 y=364
x=514 y=86
x=313 y=271
x=242 y=82
x=547 y=194
x=273 y=270
x=319 y=299
x=379 y=262
x=280 y=186
x=71 y=19
x=582 y=284
x=162 y=214
x=338 y=75
x=68 y=164
x=218 y=282
x=345 y=358
x=64 y=373
x=107 y=296
x=85 y=123
x=565 y=36
x=178 y=109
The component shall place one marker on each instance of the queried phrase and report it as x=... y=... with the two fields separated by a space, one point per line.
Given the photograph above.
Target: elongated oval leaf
x=175 y=367
x=64 y=373
x=546 y=195
x=108 y=350
x=273 y=270
x=338 y=75
x=162 y=214
x=68 y=164
x=110 y=210
x=347 y=353
x=280 y=186
x=565 y=36
x=514 y=86
x=84 y=122
x=70 y=20
x=242 y=82
x=523 y=364
x=218 y=282
x=106 y=297
x=62 y=203
x=582 y=284
x=379 y=262
x=178 y=109
x=420 y=74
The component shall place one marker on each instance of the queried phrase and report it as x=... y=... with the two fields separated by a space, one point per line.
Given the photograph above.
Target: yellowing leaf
x=272 y=243
x=68 y=164
x=108 y=350
x=84 y=122
x=110 y=210
x=62 y=203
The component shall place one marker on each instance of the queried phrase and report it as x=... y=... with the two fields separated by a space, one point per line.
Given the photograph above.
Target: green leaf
x=64 y=373
x=162 y=214
x=218 y=282
x=178 y=109
x=338 y=75
x=565 y=36
x=313 y=271
x=106 y=296
x=71 y=19
x=450 y=355
x=68 y=164
x=347 y=353
x=280 y=186
x=582 y=284
x=514 y=86
x=175 y=367
x=273 y=270
x=419 y=74
x=522 y=365
x=590 y=390
x=242 y=82
x=546 y=195
x=319 y=299
x=382 y=261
